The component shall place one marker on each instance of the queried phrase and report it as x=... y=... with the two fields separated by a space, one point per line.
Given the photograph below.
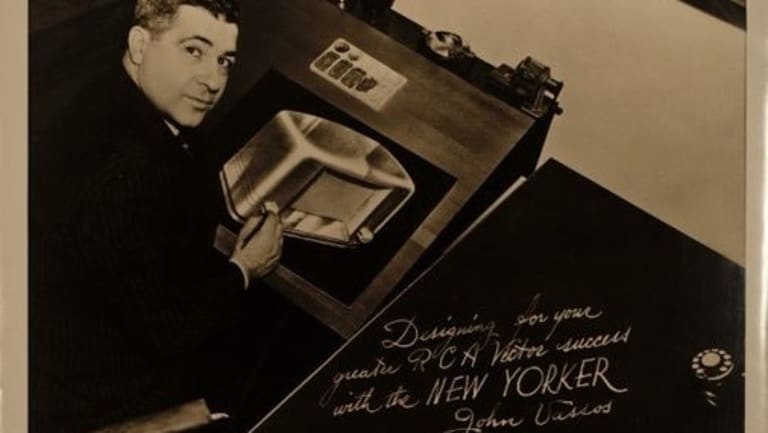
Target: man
x=129 y=302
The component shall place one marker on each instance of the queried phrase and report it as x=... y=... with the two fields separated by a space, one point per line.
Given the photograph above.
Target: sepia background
x=654 y=99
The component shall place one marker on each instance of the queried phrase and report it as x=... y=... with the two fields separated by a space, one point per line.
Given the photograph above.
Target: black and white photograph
x=249 y=216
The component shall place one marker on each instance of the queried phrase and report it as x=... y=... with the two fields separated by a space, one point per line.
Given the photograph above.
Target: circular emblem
x=712 y=364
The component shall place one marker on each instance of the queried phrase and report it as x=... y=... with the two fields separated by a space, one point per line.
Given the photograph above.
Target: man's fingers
x=261 y=241
x=271 y=223
x=247 y=230
x=277 y=249
x=269 y=266
x=251 y=225
x=270 y=232
x=270 y=207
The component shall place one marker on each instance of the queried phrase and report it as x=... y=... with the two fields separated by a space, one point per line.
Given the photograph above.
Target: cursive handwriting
x=515 y=350
x=548 y=362
x=563 y=410
x=368 y=402
x=594 y=341
x=361 y=403
x=573 y=313
x=530 y=317
x=407 y=332
x=381 y=368
x=471 y=424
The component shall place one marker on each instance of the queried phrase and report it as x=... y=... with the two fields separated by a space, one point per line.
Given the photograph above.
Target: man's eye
x=194 y=51
x=226 y=62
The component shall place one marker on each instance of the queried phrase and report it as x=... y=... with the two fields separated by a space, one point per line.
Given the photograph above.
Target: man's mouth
x=201 y=103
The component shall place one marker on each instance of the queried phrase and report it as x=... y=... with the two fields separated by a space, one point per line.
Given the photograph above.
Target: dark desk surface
x=559 y=243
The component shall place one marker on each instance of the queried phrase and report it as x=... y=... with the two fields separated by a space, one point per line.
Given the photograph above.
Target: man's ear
x=138 y=38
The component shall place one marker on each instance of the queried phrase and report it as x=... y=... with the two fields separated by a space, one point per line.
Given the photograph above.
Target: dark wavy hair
x=156 y=15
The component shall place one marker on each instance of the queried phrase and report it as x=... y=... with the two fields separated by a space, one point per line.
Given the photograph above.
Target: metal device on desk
x=529 y=85
x=449 y=49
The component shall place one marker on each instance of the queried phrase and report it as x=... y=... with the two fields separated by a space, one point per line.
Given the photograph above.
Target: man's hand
x=259 y=244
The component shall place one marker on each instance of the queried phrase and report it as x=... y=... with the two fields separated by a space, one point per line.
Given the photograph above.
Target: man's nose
x=212 y=78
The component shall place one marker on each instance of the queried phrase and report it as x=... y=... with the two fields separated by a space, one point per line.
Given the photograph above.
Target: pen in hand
x=254 y=224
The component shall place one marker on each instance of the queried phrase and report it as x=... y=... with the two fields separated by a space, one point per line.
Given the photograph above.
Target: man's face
x=183 y=70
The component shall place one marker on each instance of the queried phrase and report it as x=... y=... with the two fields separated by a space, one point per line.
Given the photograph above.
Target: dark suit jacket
x=126 y=291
